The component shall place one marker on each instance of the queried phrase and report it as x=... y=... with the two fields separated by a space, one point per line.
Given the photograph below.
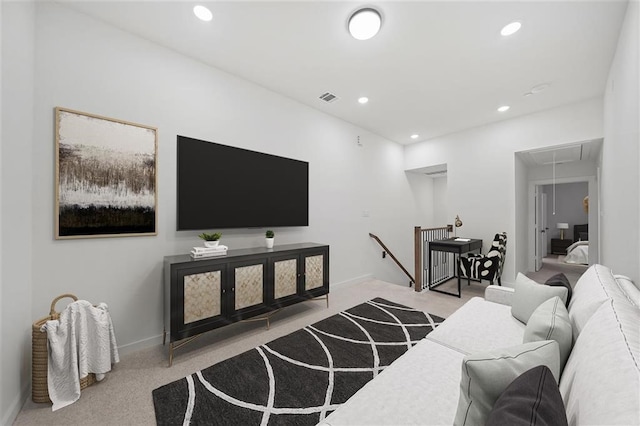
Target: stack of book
x=200 y=252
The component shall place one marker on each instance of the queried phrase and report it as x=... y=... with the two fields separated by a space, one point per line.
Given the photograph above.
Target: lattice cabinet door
x=248 y=287
x=315 y=274
x=200 y=301
x=284 y=273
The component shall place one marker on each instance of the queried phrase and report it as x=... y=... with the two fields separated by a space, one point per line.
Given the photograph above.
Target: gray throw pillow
x=561 y=280
x=528 y=295
x=531 y=399
x=486 y=375
x=550 y=321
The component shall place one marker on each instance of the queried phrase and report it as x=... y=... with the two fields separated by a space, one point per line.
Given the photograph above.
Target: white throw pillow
x=529 y=295
x=550 y=321
x=486 y=375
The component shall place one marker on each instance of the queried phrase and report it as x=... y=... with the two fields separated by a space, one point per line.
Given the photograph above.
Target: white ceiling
x=587 y=151
x=436 y=67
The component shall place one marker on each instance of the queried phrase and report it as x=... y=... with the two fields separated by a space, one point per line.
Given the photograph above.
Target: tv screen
x=222 y=186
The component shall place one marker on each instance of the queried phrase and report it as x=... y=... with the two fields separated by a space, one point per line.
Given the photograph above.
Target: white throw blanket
x=82 y=341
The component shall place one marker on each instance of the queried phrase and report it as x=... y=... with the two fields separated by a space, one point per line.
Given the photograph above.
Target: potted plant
x=269 y=238
x=210 y=240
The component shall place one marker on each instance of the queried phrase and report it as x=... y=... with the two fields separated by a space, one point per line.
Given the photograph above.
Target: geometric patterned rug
x=300 y=378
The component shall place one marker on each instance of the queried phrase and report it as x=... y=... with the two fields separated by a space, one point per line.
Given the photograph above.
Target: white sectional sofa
x=599 y=385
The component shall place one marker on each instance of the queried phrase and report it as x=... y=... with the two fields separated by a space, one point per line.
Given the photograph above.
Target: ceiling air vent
x=328 y=97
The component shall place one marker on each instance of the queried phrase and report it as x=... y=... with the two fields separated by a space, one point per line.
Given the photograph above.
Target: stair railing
x=442 y=264
x=386 y=251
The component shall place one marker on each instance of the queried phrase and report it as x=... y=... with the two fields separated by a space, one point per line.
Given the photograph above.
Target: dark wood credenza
x=203 y=294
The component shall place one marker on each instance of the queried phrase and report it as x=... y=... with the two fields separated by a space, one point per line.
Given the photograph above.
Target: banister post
x=417 y=238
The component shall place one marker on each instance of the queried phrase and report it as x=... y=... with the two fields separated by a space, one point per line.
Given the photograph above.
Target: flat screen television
x=221 y=186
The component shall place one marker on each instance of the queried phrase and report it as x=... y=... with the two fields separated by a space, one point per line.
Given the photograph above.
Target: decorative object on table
x=457 y=223
x=296 y=367
x=200 y=252
x=105 y=177
x=269 y=238
x=562 y=226
x=211 y=240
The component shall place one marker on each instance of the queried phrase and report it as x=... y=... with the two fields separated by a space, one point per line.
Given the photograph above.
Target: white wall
x=621 y=155
x=441 y=203
x=16 y=189
x=522 y=207
x=481 y=167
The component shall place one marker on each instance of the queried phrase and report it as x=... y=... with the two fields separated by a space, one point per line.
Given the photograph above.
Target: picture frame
x=105 y=177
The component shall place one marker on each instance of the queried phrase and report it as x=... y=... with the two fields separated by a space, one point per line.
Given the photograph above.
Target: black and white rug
x=300 y=378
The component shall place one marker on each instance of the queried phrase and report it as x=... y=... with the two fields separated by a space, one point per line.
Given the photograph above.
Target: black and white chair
x=488 y=266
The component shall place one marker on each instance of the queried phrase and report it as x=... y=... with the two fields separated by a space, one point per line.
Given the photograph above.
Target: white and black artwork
x=105 y=177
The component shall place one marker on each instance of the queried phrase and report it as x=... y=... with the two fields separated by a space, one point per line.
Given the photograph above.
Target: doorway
x=559 y=219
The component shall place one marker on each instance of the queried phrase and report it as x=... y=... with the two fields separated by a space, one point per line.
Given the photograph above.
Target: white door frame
x=540 y=226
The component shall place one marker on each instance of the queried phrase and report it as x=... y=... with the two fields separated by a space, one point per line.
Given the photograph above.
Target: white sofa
x=599 y=385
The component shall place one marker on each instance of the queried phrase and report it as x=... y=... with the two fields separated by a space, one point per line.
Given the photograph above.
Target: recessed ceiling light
x=415 y=136
x=365 y=23
x=503 y=108
x=203 y=13
x=511 y=28
x=363 y=100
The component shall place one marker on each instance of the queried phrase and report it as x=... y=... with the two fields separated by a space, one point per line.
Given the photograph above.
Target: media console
x=203 y=294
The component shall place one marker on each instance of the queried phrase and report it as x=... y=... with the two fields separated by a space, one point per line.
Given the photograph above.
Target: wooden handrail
x=384 y=247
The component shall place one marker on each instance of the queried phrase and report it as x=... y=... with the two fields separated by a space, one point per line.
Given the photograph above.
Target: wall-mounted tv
x=221 y=186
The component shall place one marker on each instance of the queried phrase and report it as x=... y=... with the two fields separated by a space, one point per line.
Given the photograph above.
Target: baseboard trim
x=140 y=344
x=352 y=281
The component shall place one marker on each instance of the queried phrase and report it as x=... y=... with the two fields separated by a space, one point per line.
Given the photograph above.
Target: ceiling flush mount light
x=511 y=28
x=415 y=136
x=363 y=100
x=203 y=13
x=364 y=23
x=503 y=108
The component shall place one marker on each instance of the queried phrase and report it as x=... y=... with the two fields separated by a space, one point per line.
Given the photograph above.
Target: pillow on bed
x=561 y=280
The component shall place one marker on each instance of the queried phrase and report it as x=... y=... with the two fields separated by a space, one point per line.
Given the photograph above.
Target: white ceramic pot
x=269 y=242
x=211 y=243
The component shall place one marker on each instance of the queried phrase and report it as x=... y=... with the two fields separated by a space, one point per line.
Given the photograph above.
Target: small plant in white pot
x=269 y=238
x=210 y=240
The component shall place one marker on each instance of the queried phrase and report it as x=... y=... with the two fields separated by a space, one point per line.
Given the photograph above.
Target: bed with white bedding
x=578 y=253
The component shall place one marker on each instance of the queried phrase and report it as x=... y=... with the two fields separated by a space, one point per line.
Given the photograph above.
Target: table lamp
x=457 y=223
x=562 y=226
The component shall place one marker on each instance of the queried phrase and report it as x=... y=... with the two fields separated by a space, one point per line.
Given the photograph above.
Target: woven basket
x=40 y=357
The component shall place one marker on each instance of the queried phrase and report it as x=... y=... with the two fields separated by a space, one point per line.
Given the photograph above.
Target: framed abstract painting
x=106 y=177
